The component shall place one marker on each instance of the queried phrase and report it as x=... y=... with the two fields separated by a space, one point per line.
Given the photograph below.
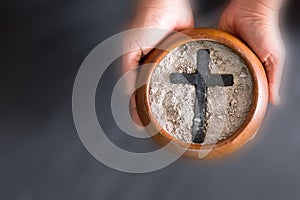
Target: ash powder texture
x=227 y=107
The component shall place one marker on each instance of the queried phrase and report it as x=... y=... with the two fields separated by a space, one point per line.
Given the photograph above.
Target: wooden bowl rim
x=260 y=90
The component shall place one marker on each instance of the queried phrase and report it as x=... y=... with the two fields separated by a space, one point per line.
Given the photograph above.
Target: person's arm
x=257 y=23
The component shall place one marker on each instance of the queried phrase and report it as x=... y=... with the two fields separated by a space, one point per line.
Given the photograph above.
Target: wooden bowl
x=259 y=101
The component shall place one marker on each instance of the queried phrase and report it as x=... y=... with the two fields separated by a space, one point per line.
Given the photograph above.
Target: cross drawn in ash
x=201 y=80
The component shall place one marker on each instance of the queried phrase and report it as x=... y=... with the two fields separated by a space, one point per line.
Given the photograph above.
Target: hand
x=168 y=15
x=258 y=26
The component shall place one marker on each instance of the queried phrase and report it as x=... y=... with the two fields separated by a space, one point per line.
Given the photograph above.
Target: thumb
x=136 y=44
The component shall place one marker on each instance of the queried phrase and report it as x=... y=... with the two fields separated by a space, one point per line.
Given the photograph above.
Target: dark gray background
x=42 y=44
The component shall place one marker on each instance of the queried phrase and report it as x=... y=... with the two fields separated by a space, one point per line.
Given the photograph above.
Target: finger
x=140 y=42
x=130 y=63
x=134 y=112
x=273 y=59
x=274 y=67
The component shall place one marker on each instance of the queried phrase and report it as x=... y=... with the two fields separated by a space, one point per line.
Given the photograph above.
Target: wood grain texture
x=257 y=111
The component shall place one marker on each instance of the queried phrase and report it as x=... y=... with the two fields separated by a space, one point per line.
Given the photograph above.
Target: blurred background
x=42 y=45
